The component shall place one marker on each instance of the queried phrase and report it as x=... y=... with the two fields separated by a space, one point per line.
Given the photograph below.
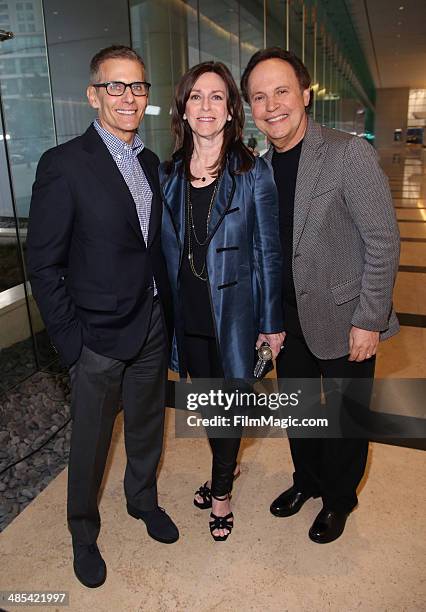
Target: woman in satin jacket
x=222 y=247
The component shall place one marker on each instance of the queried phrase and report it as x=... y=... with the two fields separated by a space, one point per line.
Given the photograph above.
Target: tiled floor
x=268 y=563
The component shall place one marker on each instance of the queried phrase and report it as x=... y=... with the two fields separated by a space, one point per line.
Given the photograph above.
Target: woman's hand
x=275 y=341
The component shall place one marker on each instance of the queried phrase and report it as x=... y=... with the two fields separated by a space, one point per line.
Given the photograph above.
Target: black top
x=285 y=166
x=194 y=292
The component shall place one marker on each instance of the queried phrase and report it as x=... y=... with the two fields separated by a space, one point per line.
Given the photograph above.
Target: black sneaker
x=158 y=523
x=89 y=567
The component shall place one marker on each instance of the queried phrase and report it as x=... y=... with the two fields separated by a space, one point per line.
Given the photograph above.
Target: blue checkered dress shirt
x=126 y=158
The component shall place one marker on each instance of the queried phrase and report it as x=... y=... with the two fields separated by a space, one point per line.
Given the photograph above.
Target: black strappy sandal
x=205 y=493
x=221 y=522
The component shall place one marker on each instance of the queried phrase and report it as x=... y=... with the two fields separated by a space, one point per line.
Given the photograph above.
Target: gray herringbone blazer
x=345 y=241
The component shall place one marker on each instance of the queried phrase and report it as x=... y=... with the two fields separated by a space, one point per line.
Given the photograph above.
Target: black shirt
x=194 y=292
x=285 y=166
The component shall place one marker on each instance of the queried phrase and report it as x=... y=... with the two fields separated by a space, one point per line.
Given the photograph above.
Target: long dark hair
x=232 y=131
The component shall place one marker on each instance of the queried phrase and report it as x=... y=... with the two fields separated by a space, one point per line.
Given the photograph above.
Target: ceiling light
x=401 y=8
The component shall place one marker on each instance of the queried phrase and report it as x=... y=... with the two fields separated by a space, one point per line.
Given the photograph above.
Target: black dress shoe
x=289 y=502
x=89 y=567
x=328 y=526
x=158 y=523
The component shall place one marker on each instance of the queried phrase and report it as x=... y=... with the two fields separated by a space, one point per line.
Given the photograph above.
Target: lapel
x=174 y=189
x=310 y=165
x=269 y=153
x=223 y=199
x=151 y=172
x=104 y=166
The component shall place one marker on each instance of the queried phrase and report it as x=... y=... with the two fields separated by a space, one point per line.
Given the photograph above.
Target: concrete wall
x=14 y=316
x=391 y=114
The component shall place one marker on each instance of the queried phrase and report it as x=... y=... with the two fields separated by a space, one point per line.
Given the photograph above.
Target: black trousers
x=97 y=383
x=202 y=361
x=328 y=467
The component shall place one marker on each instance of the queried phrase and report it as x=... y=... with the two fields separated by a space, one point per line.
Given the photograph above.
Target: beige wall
x=391 y=114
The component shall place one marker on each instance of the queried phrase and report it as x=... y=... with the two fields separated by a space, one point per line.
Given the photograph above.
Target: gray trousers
x=97 y=383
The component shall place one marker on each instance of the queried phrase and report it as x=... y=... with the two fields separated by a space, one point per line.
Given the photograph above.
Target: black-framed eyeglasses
x=117 y=88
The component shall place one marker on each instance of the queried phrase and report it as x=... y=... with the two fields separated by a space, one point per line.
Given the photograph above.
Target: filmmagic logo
x=240 y=399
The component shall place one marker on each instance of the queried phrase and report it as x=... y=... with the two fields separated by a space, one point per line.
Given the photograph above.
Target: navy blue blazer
x=243 y=261
x=90 y=269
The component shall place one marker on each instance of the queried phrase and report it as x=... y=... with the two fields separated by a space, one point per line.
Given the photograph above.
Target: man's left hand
x=275 y=341
x=362 y=344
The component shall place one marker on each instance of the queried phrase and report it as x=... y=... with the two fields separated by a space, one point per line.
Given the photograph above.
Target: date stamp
x=34 y=598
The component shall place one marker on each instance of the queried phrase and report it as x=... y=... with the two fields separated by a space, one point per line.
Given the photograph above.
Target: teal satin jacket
x=243 y=261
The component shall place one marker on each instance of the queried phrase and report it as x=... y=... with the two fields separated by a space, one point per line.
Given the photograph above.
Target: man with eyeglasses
x=99 y=278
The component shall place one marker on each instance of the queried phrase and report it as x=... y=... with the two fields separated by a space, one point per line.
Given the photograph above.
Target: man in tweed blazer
x=340 y=257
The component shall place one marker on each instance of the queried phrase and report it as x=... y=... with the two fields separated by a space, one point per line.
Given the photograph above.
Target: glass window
x=194 y=55
x=320 y=80
x=295 y=8
x=74 y=34
x=251 y=31
x=159 y=32
x=309 y=49
x=27 y=131
x=219 y=33
x=276 y=23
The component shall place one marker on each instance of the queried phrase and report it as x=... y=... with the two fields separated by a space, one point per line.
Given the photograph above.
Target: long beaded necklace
x=192 y=234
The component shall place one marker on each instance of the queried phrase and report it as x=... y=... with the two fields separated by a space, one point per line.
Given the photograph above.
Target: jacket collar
x=310 y=165
x=104 y=166
x=312 y=139
x=174 y=189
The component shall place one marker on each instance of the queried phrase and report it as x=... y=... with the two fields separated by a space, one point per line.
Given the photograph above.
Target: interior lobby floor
x=267 y=563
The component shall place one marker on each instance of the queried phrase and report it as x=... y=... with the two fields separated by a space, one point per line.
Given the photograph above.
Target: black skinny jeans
x=202 y=361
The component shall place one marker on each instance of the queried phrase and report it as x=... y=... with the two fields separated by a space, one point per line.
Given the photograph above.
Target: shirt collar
x=115 y=145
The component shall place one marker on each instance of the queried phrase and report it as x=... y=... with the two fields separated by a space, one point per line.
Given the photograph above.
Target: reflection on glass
x=251 y=40
x=296 y=27
x=26 y=97
x=320 y=80
x=194 y=52
x=75 y=31
x=160 y=33
x=27 y=132
x=276 y=23
x=309 y=39
x=219 y=33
